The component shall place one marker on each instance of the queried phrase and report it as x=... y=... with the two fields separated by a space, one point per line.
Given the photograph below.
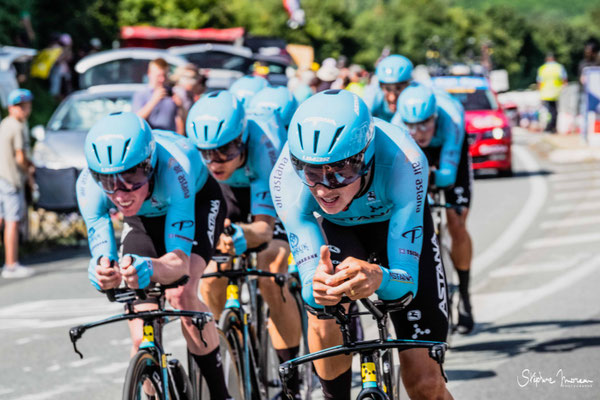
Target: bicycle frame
x=154 y=320
x=368 y=349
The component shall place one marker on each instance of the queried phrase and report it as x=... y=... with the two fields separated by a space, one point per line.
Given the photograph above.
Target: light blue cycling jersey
x=261 y=155
x=178 y=176
x=449 y=135
x=375 y=100
x=397 y=192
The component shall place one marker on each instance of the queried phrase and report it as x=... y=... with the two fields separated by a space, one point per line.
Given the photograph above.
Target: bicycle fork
x=369 y=374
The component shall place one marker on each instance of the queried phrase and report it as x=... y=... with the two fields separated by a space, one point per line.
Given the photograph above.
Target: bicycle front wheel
x=143 y=379
x=242 y=380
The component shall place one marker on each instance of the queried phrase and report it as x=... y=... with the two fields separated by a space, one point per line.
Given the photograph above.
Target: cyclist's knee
x=275 y=256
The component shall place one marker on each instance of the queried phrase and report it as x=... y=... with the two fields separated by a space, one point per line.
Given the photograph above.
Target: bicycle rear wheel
x=231 y=370
x=143 y=379
x=231 y=325
x=306 y=372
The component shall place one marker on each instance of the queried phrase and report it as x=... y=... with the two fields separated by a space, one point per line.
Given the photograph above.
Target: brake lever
x=280 y=279
x=200 y=323
x=75 y=334
x=110 y=293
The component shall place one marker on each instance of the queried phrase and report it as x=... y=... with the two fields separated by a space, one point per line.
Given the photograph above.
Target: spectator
x=590 y=57
x=155 y=103
x=355 y=80
x=186 y=80
x=60 y=76
x=551 y=77
x=95 y=45
x=326 y=75
x=15 y=169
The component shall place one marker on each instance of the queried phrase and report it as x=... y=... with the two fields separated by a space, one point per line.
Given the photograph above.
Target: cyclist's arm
x=94 y=207
x=453 y=138
x=295 y=206
x=263 y=156
x=407 y=189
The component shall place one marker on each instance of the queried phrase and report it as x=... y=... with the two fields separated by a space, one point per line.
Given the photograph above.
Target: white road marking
x=575 y=184
x=29 y=339
x=576 y=175
x=83 y=362
x=542 y=267
x=54 y=393
x=493 y=306
x=53 y=368
x=110 y=368
x=585 y=206
x=521 y=222
x=5 y=390
x=562 y=241
x=580 y=194
x=570 y=222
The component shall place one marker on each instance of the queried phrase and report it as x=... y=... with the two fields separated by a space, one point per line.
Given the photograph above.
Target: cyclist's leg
x=213 y=289
x=285 y=331
x=210 y=212
x=140 y=237
x=425 y=318
x=462 y=247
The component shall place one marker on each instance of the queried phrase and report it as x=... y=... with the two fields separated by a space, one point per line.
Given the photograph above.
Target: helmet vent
x=336 y=136
x=125 y=148
x=332 y=91
x=109 y=148
x=214 y=94
x=206 y=133
x=316 y=141
x=96 y=153
x=300 y=136
x=219 y=128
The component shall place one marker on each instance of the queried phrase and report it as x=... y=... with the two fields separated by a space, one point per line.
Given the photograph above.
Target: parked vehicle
x=58 y=152
x=128 y=65
x=488 y=128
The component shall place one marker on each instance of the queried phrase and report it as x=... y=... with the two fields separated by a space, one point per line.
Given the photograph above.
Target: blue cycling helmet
x=216 y=119
x=416 y=103
x=247 y=86
x=331 y=126
x=118 y=142
x=393 y=69
x=270 y=99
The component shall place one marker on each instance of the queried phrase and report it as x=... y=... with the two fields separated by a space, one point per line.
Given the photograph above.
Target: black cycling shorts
x=426 y=316
x=238 y=208
x=145 y=236
x=460 y=193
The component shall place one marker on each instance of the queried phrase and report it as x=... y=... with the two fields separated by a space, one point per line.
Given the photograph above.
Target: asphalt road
x=535 y=287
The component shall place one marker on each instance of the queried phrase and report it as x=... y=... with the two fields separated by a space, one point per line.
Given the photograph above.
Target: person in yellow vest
x=551 y=77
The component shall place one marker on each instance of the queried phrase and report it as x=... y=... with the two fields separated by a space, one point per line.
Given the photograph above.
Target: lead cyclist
x=368 y=180
x=173 y=212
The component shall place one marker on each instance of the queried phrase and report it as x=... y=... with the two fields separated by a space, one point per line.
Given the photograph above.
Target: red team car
x=488 y=128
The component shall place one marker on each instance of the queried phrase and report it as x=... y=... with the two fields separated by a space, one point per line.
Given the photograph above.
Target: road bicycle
x=380 y=376
x=438 y=204
x=151 y=374
x=244 y=320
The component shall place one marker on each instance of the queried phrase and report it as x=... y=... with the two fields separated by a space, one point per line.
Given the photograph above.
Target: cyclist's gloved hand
x=239 y=240
x=102 y=275
x=136 y=271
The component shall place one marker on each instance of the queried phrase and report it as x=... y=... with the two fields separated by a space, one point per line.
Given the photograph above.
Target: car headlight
x=44 y=157
x=497 y=133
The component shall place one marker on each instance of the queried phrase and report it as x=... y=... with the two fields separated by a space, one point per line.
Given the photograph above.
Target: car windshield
x=126 y=70
x=82 y=114
x=219 y=60
x=476 y=99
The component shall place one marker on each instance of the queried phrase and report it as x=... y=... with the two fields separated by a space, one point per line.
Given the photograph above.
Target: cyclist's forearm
x=257 y=233
x=170 y=267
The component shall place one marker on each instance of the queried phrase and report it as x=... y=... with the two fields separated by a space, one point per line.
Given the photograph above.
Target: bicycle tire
x=143 y=366
x=233 y=377
x=181 y=389
x=230 y=324
x=306 y=372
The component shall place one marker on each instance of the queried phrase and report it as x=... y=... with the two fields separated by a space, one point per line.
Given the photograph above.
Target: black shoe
x=465 y=316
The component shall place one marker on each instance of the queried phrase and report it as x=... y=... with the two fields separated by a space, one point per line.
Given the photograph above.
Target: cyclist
x=173 y=212
x=368 y=181
x=247 y=86
x=437 y=127
x=273 y=108
x=239 y=154
x=394 y=74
